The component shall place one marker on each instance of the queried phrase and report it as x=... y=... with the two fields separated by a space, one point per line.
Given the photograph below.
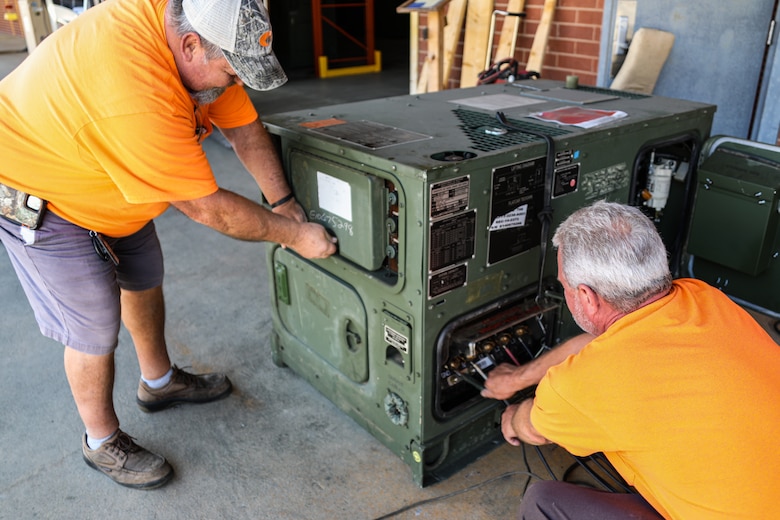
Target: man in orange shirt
x=101 y=132
x=677 y=385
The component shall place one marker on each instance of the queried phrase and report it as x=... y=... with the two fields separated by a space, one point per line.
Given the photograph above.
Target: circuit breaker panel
x=444 y=205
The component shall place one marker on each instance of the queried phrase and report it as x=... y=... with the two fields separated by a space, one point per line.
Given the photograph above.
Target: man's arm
x=256 y=151
x=516 y=425
x=244 y=219
x=506 y=380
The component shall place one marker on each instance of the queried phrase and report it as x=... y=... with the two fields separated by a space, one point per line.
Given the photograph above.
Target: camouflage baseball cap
x=241 y=28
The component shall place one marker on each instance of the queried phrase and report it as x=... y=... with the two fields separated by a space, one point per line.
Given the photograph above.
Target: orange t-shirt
x=683 y=397
x=96 y=121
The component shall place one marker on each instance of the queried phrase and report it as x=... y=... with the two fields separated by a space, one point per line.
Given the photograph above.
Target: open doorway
x=622 y=34
x=293 y=24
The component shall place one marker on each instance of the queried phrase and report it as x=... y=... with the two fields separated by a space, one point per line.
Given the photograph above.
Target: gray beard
x=204 y=97
x=580 y=319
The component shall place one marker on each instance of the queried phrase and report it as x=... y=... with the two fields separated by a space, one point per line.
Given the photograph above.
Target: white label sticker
x=334 y=195
x=397 y=340
x=513 y=219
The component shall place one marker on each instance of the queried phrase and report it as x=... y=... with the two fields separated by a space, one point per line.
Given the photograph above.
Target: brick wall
x=573 y=46
x=8 y=26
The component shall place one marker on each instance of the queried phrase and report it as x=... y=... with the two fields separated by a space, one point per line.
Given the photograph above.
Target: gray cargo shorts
x=74 y=292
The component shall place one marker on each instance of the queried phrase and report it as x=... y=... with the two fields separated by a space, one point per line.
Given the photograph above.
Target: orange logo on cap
x=265 y=39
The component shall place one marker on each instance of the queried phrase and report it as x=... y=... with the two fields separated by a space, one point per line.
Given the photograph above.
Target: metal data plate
x=517 y=197
x=369 y=134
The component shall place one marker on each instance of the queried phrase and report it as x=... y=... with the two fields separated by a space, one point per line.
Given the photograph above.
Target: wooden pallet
x=475 y=41
x=539 y=47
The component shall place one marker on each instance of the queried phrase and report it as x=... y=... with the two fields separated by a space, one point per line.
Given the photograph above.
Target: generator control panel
x=513 y=331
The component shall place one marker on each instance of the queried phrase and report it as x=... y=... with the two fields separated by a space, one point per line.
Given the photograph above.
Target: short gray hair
x=183 y=26
x=616 y=251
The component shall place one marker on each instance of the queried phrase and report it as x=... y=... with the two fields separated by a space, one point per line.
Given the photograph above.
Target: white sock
x=161 y=382
x=94 y=444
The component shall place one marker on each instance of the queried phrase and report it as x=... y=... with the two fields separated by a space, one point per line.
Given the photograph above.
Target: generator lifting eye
x=494 y=130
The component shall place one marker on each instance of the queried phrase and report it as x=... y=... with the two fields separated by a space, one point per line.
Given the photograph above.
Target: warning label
x=397 y=340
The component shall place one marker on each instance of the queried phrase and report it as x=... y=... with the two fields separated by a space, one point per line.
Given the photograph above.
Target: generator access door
x=349 y=202
x=323 y=313
x=734 y=236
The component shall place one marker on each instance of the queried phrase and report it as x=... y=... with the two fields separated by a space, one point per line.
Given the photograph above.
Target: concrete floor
x=276 y=449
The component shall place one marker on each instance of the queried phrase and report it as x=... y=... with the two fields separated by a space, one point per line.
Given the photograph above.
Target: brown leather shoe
x=128 y=464
x=183 y=388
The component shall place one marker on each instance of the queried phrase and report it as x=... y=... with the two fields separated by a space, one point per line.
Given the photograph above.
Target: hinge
x=771 y=34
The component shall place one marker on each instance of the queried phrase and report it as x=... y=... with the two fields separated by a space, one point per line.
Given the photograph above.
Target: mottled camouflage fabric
x=13 y=207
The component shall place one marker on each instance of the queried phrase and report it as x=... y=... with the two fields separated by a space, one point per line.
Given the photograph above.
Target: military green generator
x=734 y=241
x=444 y=205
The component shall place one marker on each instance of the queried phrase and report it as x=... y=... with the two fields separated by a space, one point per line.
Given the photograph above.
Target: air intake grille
x=480 y=129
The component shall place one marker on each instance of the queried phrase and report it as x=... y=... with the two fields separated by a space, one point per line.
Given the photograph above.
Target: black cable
x=611 y=472
x=544 y=461
x=470 y=380
x=473 y=382
x=545 y=215
x=574 y=465
x=607 y=469
x=527 y=468
x=600 y=481
x=579 y=462
x=455 y=493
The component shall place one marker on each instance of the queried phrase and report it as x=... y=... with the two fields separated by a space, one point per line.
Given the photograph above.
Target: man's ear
x=590 y=301
x=190 y=46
